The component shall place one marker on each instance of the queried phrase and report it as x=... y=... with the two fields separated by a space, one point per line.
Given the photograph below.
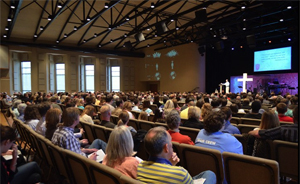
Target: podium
x=221 y=88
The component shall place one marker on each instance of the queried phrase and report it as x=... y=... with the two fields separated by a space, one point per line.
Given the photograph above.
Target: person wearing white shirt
x=227 y=86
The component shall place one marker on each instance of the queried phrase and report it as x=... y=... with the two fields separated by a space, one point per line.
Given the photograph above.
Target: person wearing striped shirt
x=161 y=165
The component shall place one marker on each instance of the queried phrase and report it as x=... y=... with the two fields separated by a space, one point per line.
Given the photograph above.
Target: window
x=26 y=76
x=115 y=78
x=89 y=78
x=60 y=77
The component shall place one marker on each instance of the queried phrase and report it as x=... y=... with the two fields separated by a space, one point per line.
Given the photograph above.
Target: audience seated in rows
x=21 y=109
x=205 y=110
x=118 y=109
x=184 y=113
x=146 y=107
x=53 y=118
x=127 y=106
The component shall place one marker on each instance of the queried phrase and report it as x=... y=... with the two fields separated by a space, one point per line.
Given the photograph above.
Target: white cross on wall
x=244 y=80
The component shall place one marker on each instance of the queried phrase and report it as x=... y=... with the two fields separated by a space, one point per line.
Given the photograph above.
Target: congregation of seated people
x=57 y=116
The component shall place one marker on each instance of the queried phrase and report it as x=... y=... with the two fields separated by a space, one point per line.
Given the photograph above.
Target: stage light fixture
x=127 y=18
x=109 y=28
x=232 y=48
x=155 y=35
x=99 y=45
x=172 y=20
x=148 y=45
x=244 y=20
x=59 y=5
x=111 y=40
x=289 y=39
x=148 y=29
x=210 y=28
x=84 y=41
x=57 y=41
x=125 y=35
x=88 y=18
x=243 y=7
x=106 y=5
x=192 y=41
x=152 y=5
x=244 y=28
x=215 y=35
x=241 y=46
x=270 y=41
x=165 y=41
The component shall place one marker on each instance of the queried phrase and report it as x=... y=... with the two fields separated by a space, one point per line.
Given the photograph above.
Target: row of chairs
x=241 y=168
x=251 y=121
x=70 y=166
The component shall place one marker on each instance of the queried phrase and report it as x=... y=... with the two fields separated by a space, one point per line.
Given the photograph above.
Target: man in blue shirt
x=212 y=137
x=227 y=126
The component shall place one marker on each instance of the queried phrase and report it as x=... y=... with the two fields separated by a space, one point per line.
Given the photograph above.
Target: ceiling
x=111 y=27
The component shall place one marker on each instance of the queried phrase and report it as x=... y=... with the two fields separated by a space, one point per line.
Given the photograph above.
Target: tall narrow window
x=60 y=77
x=115 y=78
x=89 y=78
x=26 y=76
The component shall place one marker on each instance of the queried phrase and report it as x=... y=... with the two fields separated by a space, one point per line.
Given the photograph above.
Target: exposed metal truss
x=104 y=25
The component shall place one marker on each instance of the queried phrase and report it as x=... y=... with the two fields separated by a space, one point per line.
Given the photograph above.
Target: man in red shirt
x=281 y=109
x=173 y=121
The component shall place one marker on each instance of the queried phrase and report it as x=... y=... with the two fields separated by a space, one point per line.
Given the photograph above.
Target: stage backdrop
x=260 y=83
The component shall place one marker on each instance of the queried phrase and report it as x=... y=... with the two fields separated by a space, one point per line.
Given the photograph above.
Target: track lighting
x=106 y=5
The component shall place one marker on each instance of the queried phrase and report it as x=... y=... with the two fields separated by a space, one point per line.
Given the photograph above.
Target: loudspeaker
x=128 y=45
x=139 y=37
x=251 y=41
x=201 y=16
x=220 y=46
x=161 y=28
x=201 y=50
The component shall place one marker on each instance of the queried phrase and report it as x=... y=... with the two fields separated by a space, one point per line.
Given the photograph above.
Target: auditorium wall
x=179 y=68
x=188 y=69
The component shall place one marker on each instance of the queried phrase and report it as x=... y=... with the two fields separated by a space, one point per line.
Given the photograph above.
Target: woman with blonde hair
x=127 y=106
x=53 y=117
x=123 y=120
x=87 y=114
x=167 y=108
x=119 y=152
x=205 y=110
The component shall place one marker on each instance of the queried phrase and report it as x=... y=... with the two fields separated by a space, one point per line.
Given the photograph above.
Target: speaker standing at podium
x=227 y=86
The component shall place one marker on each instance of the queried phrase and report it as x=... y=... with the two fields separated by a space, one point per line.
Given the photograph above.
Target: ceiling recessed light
x=65 y=35
x=244 y=28
x=281 y=20
x=8 y=19
x=152 y=5
x=243 y=7
x=35 y=35
x=106 y=5
x=59 y=5
x=75 y=28
x=4 y=35
x=289 y=7
x=95 y=35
